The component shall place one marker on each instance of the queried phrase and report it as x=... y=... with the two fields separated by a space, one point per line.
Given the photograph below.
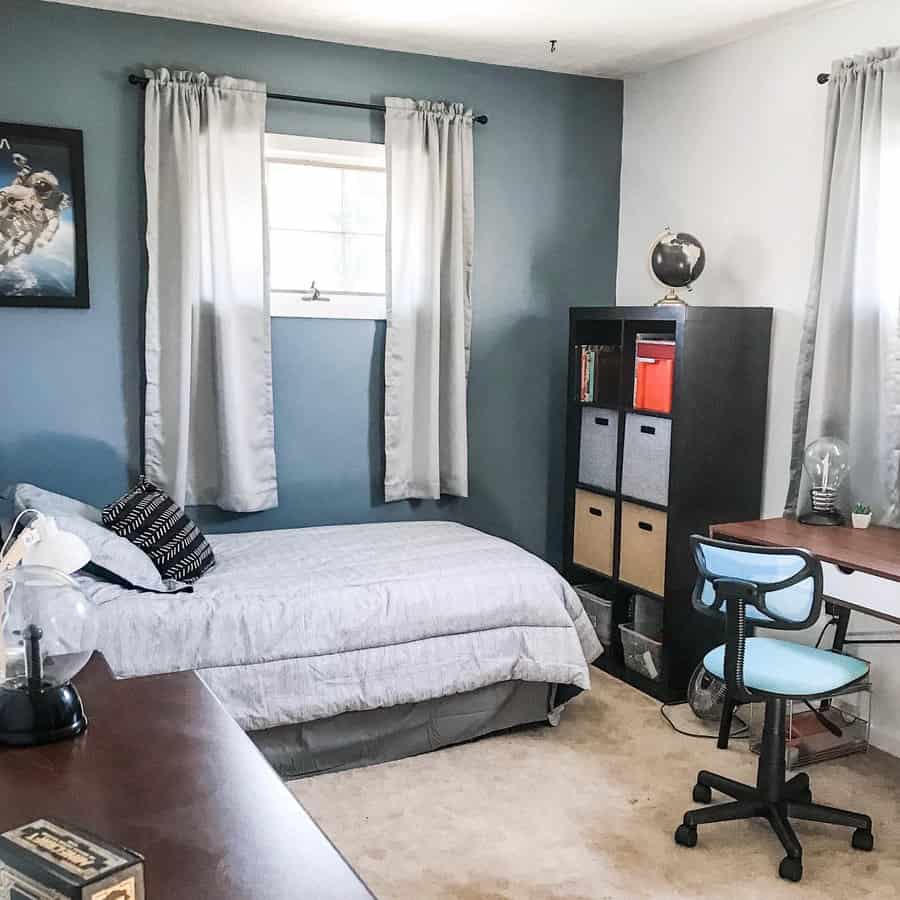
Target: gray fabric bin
x=599 y=447
x=645 y=467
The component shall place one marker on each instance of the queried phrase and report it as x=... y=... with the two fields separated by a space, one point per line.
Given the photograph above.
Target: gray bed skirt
x=379 y=735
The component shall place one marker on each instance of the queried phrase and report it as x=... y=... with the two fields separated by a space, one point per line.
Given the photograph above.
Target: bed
x=347 y=645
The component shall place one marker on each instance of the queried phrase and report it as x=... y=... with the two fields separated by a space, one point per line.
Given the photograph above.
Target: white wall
x=728 y=145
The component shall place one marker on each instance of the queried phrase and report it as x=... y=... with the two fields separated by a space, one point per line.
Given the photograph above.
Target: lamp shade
x=43 y=543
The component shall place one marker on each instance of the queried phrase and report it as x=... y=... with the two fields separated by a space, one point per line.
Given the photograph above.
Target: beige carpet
x=586 y=811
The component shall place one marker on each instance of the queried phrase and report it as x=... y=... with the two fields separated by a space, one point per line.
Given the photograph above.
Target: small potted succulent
x=861 y=515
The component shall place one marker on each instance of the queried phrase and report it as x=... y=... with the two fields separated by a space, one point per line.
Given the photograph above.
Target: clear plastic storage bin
x=642 y=654
x=599 y=611
x=820 y=730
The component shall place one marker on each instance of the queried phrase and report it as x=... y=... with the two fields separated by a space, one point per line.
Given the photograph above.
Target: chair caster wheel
x=791 y=869
x=686 y=835
x=702 y=794
x=863 y=840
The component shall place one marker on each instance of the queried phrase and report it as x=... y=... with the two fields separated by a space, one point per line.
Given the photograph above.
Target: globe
x=677 y=260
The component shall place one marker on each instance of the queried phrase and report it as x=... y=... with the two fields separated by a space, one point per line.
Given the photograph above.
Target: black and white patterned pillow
x=154 y=522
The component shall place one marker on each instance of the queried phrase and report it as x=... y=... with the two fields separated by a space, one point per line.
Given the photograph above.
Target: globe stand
x=671 y=299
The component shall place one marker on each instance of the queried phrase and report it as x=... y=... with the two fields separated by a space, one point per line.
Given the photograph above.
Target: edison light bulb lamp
x=827 y=463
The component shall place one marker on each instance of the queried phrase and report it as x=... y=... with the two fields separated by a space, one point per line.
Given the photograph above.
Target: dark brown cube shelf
x=712 y=445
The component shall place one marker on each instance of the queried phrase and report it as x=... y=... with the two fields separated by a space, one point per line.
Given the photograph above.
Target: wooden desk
x=163 y=769
x=874 y=550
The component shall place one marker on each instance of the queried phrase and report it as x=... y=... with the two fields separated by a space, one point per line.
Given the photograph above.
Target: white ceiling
x=596 y=37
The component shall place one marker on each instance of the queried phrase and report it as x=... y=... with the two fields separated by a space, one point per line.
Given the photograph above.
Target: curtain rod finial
x=823 y=78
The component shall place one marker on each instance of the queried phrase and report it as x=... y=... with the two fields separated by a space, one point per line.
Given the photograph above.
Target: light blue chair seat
x=790 y=669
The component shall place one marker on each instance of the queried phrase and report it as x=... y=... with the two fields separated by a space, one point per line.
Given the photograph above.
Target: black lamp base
x=822 y=518
x=31 y=717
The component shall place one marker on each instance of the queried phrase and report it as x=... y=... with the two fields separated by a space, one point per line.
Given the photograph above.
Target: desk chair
x=777 y=589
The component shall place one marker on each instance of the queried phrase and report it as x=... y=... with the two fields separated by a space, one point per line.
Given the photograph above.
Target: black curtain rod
x=823 y=78
x=349 y=104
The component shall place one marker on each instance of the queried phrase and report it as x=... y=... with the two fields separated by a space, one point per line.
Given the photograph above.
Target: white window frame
x=334 y=154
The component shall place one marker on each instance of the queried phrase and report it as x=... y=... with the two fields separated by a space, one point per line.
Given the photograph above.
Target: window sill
x=290 y=306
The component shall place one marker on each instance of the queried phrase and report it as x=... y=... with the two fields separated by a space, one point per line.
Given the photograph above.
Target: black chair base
x=773 y=799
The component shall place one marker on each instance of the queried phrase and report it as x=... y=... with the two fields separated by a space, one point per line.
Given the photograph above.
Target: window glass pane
x=296 y=258
x=307 y=197
x=365 y=201
x=364 y=263
x=326 y=224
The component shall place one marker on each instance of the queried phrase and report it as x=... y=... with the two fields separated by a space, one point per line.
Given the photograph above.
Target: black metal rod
x=823 y=78
x=347 y=104
x=883 y=641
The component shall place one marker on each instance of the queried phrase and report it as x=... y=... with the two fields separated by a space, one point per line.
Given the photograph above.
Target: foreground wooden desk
x=163 y=769
x=874 y=550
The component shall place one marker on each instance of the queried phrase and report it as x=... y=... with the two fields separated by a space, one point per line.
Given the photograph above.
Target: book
x=49 y=860
x=584 y=393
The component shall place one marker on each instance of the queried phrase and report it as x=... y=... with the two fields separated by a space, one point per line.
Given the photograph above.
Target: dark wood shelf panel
x=648 y=503
x=590 y=404
x=646 y=412
x=594 y=489
x=633 y=588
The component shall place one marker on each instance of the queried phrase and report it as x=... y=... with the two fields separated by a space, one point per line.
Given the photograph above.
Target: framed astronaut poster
x=43 y=239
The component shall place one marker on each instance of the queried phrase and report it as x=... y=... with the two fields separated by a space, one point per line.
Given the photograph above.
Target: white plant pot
x=861 y=520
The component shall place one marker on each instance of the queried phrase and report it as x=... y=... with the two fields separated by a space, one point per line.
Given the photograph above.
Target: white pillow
x=29 y=496
x=116 y=559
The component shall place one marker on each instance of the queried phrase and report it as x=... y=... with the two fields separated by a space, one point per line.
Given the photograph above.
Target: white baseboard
x=886 y=740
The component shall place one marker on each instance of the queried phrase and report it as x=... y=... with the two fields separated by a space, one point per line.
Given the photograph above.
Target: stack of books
x=599 y=373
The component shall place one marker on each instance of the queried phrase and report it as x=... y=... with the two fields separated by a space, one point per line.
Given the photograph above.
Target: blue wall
x=547 y=193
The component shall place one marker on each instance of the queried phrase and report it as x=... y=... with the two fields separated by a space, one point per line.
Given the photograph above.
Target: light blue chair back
x=789 y=581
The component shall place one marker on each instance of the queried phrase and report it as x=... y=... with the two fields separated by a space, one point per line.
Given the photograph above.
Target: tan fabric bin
x=595 y=517
x=642 y=554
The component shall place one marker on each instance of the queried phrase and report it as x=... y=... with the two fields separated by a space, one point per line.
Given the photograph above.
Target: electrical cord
x=742 y=731
x=832 y=621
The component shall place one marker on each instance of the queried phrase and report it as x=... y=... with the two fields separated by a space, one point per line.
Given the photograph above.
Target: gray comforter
x=297 y=625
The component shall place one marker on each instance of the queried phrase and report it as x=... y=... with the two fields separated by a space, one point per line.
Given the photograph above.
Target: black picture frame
x=43 y=222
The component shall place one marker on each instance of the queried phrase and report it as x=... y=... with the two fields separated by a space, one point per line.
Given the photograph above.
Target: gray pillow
x=29 y=496
x=116 y=559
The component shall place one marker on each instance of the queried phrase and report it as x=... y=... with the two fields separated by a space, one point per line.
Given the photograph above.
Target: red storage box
x=654 y=375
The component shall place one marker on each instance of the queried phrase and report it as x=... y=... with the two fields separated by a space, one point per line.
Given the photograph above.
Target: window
x=326 y=217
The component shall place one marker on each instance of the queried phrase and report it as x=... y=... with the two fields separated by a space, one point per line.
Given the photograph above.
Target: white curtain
x=431 y=225
x=848 y=378
x=209 y=425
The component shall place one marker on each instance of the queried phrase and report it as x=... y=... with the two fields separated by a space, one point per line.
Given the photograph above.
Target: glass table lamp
x=827 y=463
x=48 y=634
